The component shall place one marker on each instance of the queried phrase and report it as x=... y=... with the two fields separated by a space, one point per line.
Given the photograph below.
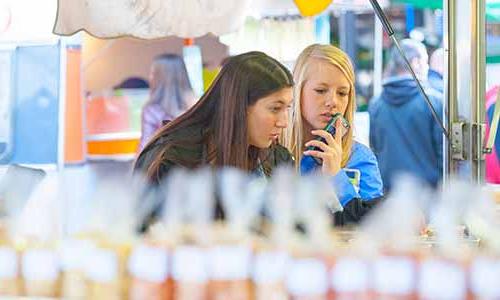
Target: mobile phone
x=330 y=128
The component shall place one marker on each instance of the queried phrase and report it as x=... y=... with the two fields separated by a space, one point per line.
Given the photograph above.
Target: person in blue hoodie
x=324 y=85
x=403 y=133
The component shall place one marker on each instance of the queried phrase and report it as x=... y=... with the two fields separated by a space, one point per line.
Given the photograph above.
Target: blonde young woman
x=324 y=85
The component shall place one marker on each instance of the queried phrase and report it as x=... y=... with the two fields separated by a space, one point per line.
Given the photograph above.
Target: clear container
x=307 y=279
x=9 y=272
x=103 y=275
x=149 y=271
x=40 y=272
x=441 y=278
x=74 y=255
x=349 y=278
x=394 y=277
x=269 y=271
x=229 y=271
x=190 y=273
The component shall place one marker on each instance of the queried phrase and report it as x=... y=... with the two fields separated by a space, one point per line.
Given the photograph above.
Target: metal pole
x=450 y=86
x=378 y=57
x=478 y=44
x=465 y=88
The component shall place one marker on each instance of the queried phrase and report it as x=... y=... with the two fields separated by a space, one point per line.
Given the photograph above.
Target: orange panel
x=113 y=147
x=73 y=134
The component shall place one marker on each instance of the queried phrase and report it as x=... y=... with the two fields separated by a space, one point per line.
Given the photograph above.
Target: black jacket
x=353 y=212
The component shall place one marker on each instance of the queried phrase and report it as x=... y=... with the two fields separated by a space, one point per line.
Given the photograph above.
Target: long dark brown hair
x=218 y=121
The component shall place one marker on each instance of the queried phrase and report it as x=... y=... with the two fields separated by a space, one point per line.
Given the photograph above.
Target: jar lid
x=395 y=275
x=75 y=253
x=307 y=276
x=40 y=265
x=189 y=263
x=229 y=262
x=440 y=279
x=149 y=263
x=270 y=267
x=484 y=273
x=350 y=274
x=8 y=263
x=102 y=266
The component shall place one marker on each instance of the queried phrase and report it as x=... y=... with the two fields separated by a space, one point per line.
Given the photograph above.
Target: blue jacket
x=403 y=133
x=436 y=81
x=362 y=159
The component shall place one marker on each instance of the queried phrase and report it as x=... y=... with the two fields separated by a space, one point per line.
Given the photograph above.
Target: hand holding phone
x=331 y=129
x=326 y=149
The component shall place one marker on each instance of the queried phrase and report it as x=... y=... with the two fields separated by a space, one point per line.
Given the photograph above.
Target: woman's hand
x=331 y=153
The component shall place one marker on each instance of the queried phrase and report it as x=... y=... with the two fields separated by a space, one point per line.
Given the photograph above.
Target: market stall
x=276 y=240
x=251 y=256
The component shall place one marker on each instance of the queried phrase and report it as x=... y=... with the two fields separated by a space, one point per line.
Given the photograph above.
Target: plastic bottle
x=74 y=256
x=103 y=275
x=40 y=272
x=149 y=270
x=9 y=272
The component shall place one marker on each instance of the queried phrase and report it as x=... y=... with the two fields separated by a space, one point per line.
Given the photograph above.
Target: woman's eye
x=343 y=94
x=275 y=109
x=320 y=91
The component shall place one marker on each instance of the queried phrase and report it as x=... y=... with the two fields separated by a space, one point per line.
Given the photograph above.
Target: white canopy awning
x=183 y=18
x=150 y=18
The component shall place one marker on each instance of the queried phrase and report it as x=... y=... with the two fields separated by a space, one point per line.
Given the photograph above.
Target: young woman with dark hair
x=235 y=123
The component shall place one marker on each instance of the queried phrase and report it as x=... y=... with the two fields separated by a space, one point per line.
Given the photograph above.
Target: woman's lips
x=325 y=117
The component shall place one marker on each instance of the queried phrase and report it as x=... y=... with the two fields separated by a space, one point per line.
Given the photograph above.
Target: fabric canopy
x=150 y=18
x=183 y=18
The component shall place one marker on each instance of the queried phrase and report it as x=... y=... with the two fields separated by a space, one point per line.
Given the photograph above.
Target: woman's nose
x=282 y=121
x=331 y=102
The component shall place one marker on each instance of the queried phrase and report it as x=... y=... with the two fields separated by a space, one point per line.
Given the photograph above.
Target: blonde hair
x=293 y=137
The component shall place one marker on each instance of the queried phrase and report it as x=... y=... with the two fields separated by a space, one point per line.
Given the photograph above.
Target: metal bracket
x=458 y=134
x=478 y=136
x=490 y=140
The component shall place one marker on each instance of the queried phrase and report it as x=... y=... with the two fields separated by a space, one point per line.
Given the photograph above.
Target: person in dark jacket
x=325 y=85
x=403 y=133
